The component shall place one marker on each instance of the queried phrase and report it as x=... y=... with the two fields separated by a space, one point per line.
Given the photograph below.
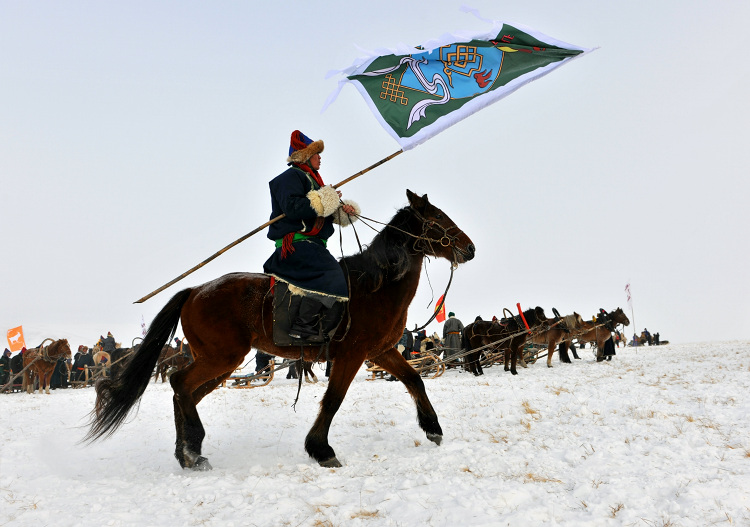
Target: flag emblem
x=417 y=95
x=16 y=341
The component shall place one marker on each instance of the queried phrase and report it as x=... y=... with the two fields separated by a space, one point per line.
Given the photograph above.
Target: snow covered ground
x=658 y=437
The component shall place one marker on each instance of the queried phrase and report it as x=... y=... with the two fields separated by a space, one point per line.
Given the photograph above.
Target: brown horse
x=306 y=368
x=598 y=332
x=508 y=334
x=225 y=318
x=119 y=358
x=43 y=361
x=556 y=333
x=172 y=359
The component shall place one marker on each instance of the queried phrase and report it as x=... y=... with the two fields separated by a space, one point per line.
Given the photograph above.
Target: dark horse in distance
x=225 y=318
x=508 y=335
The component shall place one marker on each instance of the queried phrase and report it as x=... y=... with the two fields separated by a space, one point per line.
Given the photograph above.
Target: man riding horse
x=301 y=259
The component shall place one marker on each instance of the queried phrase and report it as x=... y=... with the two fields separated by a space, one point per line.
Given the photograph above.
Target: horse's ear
x=415 y=201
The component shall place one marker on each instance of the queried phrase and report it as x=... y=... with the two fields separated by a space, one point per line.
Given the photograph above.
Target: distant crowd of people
x=100 y=354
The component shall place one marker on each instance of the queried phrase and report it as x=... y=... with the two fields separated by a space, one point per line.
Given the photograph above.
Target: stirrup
x=303 y=338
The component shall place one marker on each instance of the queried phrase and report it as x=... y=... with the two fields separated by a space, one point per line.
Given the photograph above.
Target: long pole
x=257 y=230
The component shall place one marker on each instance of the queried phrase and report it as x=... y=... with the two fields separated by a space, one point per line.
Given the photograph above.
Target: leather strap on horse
x=439 y=307
x=299 y=376
x=446 y=241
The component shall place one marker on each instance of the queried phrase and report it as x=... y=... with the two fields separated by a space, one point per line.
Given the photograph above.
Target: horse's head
x=619 y=316
x=439 y=236
x=62 y=349
x=534 y=317
x=539 y=313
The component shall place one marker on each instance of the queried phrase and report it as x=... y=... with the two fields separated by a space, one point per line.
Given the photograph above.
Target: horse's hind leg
x=550 y=351
x=394 y=363
x=521 y=358
x=562 y=351
x=190 y=386
x=473 y=363
x=28 y=382
x=308 y=367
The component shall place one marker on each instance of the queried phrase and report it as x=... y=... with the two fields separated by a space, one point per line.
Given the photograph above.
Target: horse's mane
x=530 y=315
x=386 y=259
x=570 y=321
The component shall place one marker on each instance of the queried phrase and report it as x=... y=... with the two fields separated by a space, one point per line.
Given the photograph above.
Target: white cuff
x=324 y=201
x=342 y=218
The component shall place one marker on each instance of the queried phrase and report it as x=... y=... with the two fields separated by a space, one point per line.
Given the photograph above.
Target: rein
x=43 y=353
x=421 y=243
x=445 y=240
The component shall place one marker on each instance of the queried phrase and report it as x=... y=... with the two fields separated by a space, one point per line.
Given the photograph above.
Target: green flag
x=418 y=94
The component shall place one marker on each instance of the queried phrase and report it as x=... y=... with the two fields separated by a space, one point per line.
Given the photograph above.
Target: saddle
x=283 y=306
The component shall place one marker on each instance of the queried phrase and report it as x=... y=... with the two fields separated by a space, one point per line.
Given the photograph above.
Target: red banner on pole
x=15 y=339
x=440 y=308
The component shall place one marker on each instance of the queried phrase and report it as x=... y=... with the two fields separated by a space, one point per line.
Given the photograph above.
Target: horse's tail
x=116 y=397
x=465 y=339
x=562 y=351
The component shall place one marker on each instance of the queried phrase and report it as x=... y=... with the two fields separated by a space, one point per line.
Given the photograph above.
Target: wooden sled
x=428 y=365
x=261 y=378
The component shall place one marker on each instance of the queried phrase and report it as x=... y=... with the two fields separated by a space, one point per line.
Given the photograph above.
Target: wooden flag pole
x=257 y=230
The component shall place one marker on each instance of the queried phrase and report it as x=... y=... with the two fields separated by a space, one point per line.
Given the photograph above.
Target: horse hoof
x=330 y=463
x=435 y=438
x=549 y=365
x=202 y=464
x=514 y=372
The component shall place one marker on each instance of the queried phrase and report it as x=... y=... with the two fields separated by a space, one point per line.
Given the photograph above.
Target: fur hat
x=302 y=148
x=451 y=314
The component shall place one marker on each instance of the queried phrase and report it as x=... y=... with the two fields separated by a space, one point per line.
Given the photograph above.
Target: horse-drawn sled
x=427 y=365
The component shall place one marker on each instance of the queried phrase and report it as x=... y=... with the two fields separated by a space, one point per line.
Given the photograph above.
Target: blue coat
x=310 y=266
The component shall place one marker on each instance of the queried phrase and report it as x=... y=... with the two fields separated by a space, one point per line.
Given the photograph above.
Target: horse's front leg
x=395 y=364
x=513 y=360
x=343 y=370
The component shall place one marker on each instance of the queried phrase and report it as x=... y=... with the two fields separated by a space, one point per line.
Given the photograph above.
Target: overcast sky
x=137 y=139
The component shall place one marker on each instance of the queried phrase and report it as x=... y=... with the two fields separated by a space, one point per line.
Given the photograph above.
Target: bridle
x=423 y=242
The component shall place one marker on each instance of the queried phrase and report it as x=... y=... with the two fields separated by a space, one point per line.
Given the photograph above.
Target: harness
x=422 y=243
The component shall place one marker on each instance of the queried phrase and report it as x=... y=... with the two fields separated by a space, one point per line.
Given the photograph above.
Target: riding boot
x=306 y=323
